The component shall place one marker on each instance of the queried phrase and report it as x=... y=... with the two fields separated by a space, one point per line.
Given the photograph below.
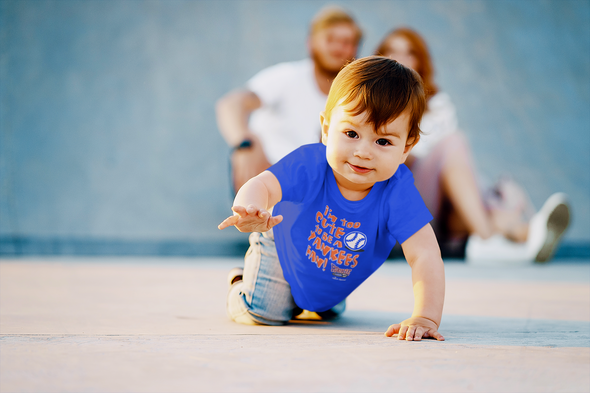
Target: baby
x=326 y=217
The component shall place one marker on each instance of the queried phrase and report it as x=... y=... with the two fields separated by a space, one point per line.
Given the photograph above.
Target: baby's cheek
x=330 y=156
x=389 y=171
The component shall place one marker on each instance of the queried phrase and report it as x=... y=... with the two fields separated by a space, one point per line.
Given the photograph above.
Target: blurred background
x=109 y=144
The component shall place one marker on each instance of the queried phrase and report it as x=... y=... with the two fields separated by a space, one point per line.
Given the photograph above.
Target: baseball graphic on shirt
x=355 y=241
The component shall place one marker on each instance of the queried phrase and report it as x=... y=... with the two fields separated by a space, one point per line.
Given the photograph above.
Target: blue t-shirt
x=328 y=245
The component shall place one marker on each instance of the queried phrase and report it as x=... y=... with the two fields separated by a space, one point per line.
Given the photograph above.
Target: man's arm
x=428 y=277
x=252 y=203
x=233 y=111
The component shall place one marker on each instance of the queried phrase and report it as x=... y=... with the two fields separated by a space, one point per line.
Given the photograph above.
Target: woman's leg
x=448 y=174
x=460 y=187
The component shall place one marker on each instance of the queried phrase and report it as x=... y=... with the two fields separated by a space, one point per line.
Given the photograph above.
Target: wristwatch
x=245 y=144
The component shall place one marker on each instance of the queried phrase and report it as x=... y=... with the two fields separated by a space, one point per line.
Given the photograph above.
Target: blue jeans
x=264 y=296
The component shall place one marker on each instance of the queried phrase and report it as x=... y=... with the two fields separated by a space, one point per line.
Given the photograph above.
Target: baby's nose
x=363 y=152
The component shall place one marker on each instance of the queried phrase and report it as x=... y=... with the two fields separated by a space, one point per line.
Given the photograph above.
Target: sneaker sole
x=557 y=223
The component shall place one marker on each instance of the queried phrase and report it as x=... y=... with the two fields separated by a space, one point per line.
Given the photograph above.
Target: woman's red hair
x=420 y=49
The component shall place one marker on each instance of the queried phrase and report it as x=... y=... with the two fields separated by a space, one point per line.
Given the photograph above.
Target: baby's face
x=358 y=155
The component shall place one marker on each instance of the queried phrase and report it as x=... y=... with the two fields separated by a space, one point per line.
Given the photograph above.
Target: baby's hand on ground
x=415 y=329
x=250 y=219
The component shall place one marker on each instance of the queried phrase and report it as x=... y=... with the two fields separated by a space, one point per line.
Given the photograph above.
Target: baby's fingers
x=412 y=330
x=255 y=211
x=228 y=222
x=420 y=332
x=393 y=329
x=274 y=221
x=251 y=210
x=240 y=210
x=402 y=333
x=434 y=334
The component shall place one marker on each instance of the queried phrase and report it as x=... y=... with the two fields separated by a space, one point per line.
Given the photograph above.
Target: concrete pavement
x=159 y=325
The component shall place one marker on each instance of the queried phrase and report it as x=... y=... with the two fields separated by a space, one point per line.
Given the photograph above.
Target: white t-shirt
x=439 y=121
x=291 y=106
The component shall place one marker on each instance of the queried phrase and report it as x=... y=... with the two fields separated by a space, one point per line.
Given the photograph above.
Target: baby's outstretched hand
x=250 y=219
x=415 y=329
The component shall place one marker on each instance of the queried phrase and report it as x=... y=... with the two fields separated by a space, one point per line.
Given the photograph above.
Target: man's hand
x=415 y=329
x=250 y=219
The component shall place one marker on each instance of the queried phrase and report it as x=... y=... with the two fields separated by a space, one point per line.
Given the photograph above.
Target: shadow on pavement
x=469 y=330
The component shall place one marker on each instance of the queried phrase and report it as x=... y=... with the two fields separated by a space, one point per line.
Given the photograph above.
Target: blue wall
x=108 y=132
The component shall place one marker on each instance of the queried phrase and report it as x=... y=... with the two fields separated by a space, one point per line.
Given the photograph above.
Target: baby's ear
x=324 y=126
x=410 y=143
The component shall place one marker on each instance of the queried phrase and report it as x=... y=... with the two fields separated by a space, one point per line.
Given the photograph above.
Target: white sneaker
x=547 y=226
x=235 y=275
x=496 y=250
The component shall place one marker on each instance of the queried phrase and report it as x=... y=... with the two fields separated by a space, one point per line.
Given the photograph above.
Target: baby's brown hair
x=383 y=88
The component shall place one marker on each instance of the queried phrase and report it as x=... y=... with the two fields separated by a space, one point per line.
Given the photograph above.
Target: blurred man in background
x=278 y=109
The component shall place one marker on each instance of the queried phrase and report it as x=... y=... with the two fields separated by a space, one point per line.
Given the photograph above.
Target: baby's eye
x=351 y=134
x=383 y=142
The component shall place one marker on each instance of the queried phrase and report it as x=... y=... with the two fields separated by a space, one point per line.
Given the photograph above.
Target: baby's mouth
x=359 y=169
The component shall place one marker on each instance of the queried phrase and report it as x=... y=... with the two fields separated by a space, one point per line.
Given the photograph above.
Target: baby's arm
x=428 y=277
x=252 y=203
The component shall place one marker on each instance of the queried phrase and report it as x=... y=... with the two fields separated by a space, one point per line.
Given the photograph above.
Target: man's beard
x=322 y=67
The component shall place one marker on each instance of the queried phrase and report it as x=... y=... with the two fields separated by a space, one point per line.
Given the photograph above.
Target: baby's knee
x=240 y=311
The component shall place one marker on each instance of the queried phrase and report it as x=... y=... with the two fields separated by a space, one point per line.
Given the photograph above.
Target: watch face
x=246 y=143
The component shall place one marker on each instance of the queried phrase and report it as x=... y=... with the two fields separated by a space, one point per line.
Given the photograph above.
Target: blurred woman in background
x=498 y=224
